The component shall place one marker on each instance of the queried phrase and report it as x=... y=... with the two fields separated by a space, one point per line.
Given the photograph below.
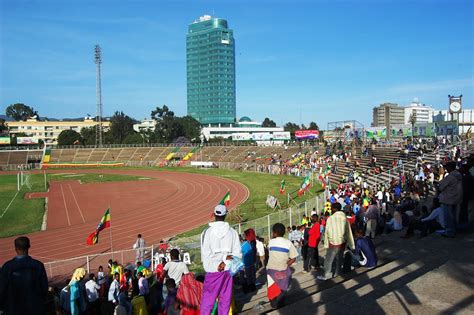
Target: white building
x=246 y=129
x=145 y=125
x=466 y=119
x=423 y=113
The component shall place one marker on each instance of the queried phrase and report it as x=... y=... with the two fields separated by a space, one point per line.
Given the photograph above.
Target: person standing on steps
x=337 y=236
x=219 y=244
x=450 y=197
x=314 y=235
x=282 y=254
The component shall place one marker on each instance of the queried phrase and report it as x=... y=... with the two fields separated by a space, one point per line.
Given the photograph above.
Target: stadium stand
x=13 y=159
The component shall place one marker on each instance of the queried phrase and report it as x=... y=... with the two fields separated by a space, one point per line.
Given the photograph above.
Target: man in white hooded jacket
x=219 y=244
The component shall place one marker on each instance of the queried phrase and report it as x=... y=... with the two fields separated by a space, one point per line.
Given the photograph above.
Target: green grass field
x=259 y=185
x=26 y=216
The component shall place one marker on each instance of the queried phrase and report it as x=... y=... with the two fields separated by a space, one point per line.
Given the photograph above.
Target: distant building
x=48 y=131
x=210 y=63
x=145 y=125
x=423 y=113
x=388 y=113
x=466 y=119
x=245 y=129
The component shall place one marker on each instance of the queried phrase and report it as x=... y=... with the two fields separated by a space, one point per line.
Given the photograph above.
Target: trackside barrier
x=61 y=269
x=262 y=226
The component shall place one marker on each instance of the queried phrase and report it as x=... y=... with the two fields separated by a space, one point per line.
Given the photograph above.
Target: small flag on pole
x=282 y=187
x=226 y=200
x=304 y=186
x=93 y=238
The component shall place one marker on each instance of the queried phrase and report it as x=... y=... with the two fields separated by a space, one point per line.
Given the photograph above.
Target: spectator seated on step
x=364 y=254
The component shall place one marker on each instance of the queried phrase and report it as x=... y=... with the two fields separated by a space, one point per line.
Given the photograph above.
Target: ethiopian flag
x=282 y=187
x=226 y=200
x=93 y=238
x=304 y=186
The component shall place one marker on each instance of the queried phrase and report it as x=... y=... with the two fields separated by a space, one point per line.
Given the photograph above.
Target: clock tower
x=455 y=107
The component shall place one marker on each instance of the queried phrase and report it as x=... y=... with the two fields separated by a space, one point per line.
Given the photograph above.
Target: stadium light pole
x=98 y=61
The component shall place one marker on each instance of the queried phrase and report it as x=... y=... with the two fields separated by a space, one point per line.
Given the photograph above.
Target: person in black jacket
x=23 y=283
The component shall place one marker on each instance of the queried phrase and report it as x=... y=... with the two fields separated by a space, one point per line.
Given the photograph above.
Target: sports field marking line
x=65 y=206
x=75 y=200
x=6 y=209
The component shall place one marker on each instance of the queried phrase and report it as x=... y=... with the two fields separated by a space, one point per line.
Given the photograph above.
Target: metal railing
x=59 y=269
x=386 y=176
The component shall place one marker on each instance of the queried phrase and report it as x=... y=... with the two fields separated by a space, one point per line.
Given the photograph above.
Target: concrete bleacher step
x=303 y=285
x=400 y=262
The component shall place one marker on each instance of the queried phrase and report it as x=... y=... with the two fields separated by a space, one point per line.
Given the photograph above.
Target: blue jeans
x=449 y=213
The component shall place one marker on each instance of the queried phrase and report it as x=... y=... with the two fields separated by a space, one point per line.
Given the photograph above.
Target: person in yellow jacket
x=139 y=305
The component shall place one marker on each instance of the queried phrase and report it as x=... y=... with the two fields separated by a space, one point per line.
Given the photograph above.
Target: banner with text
x=26 y=140
x=306 y=134
x=241 y=136
x=4 y=140
x=281 y=135
x=261 y=136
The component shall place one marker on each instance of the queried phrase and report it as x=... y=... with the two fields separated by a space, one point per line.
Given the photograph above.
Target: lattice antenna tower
x=98 y=61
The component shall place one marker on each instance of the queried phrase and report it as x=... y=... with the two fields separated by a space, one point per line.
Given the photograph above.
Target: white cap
x=220 y=210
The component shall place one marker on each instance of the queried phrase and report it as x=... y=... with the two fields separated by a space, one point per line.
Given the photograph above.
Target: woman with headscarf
x=189 y=295
x=249 y=255
x=78 y=303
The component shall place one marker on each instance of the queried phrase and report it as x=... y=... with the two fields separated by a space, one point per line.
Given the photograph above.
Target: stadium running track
x=162 y=206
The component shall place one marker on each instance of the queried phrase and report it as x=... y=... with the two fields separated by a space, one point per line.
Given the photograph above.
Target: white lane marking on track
x=65 y=206
x=75 y=200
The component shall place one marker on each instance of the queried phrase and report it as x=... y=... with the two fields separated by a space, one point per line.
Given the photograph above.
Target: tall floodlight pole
x=98 y=133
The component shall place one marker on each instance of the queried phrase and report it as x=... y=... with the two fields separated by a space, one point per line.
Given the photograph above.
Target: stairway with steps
x=423 y=276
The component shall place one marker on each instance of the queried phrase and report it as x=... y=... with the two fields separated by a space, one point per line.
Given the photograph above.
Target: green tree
x=20 y=111
x=313 y=126
x=134 y=138
x=291 y=127
x=3 y=126
x=191 y=128
x=121 y=126
x=69 y=137
x=267 y=122
x=88 y=135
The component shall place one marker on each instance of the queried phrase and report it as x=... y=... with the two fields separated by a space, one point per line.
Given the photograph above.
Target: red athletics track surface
x=169 y=203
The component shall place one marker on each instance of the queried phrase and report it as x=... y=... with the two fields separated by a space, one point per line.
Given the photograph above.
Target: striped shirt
x=280 y=250
x=338 y=231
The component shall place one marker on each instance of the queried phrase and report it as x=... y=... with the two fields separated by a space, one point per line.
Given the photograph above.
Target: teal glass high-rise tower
x=210 y=60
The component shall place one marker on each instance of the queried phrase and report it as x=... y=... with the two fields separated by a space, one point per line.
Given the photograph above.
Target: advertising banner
x=4 y=140
x=425 y=130
x=242 y=136
x=261 y=136
x=281 y=135
x=447 y=128
x=26 y=140
x=307 y=134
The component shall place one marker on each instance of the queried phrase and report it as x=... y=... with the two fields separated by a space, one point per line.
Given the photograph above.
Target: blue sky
x=295 y=60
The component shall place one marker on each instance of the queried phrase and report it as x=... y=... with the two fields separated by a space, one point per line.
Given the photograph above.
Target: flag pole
x=110 y=230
